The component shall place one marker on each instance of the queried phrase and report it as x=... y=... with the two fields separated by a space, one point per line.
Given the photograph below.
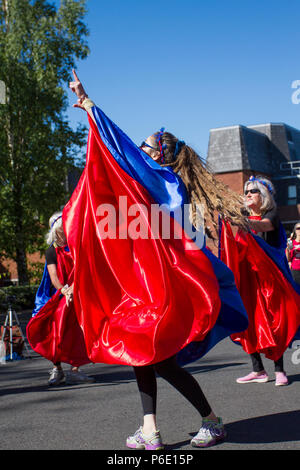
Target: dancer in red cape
x=53 y=331
x=270 y=296
x=140 y=297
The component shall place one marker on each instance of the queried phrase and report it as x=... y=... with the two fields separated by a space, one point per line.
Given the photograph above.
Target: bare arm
x=53 y=276
x=67 y=292
x=83 y=100
x=288 y=253
x=264 y=225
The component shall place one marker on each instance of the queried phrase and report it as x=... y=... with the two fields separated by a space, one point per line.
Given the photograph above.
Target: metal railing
x=292 y=167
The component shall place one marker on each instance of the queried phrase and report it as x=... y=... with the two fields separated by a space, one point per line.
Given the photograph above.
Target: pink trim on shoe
x=253 y=377
x=281 y=379
x=140 y=441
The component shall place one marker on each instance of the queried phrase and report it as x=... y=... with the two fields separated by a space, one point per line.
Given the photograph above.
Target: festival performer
x=158 y=301
x=47 y=332
x=264 y=281
x=293 y=252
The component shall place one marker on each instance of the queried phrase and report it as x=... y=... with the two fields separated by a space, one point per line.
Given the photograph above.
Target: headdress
x=162 y=147
x=179 y=145
x=268 y=186
x=59 y=217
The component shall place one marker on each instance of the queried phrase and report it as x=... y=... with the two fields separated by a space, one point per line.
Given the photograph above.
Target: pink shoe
x=253 y=377
x=281 y=379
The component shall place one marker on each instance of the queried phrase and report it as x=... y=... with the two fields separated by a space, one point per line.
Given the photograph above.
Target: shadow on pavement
x=278 y=427
x=114 y=375
x=209 y=368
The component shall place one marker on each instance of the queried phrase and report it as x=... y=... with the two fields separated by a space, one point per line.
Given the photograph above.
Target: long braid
x=208 y=195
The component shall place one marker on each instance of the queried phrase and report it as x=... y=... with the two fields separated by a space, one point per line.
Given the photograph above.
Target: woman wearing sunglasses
x=293 y=253
x=260 y=202
x=264 y=221
x=264 y=281
x=154 y=302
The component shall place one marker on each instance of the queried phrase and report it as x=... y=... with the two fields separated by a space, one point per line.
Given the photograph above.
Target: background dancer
x=264 y=281
x=293 y=252
x=58 y=269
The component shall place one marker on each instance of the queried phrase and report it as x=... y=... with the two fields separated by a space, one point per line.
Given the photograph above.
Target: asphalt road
x=99 y=416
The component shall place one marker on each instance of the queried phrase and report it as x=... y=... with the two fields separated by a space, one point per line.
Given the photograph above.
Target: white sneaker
x=209 y=434
x=76 y=377
x=57 y=376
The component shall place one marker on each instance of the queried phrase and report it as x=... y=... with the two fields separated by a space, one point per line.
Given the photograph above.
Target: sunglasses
x=297 y=228
x=144 y=144
x=252 y=191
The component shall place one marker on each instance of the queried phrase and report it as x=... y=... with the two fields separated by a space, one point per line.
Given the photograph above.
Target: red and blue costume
x=269 y=293
x=53 y=331
x=139 y=301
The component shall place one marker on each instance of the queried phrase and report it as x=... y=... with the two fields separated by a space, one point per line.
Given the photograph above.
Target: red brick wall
x=235 y=180
x=10 y=266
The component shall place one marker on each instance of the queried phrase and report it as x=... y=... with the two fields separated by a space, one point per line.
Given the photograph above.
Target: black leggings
x=176 y=376
x=258 y=364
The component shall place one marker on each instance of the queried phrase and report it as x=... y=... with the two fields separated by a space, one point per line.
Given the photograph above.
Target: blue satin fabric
x=43 y=292
x=161 y=182
x=278 y=256
x=167 y=189
x=232 y=316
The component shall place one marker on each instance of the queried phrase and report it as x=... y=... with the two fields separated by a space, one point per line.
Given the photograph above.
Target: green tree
x=39 y=44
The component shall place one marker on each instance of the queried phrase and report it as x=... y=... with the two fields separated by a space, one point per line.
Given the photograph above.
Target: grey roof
x=258 y=148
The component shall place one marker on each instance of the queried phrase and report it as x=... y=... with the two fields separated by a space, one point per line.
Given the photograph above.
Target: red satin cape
x=138 y=301
x=272 y=305
x=54 y=332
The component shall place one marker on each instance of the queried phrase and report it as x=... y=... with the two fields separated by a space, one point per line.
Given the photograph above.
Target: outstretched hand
x=77 y=88
x=68 y=293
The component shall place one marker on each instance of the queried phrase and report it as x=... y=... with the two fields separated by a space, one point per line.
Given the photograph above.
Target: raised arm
x=83 y=101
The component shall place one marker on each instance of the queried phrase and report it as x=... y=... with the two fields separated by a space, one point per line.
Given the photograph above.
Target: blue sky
x=191 y=65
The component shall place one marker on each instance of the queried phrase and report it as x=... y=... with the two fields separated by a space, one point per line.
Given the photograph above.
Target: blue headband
x=268 y=186
x=179 y=145
x=59 y=217
x=158 y=140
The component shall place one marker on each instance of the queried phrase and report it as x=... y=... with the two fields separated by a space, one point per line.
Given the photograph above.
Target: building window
x=292 y=195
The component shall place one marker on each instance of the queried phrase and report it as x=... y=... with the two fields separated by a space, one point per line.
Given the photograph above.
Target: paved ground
x=99 y=416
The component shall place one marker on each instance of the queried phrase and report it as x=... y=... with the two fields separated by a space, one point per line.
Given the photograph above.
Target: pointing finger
x=75 y=76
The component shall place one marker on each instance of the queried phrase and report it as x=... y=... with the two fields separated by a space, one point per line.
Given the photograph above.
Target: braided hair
x=207 y=194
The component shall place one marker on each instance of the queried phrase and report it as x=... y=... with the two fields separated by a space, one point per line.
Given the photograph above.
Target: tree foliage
x=39 y=45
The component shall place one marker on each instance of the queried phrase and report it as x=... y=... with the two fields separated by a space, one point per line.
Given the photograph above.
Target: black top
x=51 y=256
x=271 y=237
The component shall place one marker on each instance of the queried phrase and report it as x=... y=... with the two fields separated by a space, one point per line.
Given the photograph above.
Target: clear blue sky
x=191 y=65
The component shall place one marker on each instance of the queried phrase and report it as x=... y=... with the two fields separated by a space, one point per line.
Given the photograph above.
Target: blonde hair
x=267 y=192
x=206 y=193
x=55 y=222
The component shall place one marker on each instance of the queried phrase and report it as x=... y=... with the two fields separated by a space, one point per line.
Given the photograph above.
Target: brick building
x=272 y=150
